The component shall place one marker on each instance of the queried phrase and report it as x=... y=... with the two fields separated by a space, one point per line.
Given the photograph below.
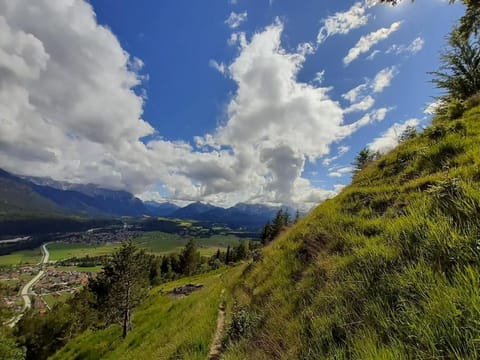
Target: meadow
x=24 y=257
x=157 y=243
x=164 y=327
x=388 y=269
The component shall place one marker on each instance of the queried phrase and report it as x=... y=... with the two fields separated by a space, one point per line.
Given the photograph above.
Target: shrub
x=472 y=101
x=242 y=325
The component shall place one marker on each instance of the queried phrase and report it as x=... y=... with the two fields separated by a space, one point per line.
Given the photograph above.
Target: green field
x=153 y=242
x=162 y=243
x=164 y=327
x=51 y=299
x=61 y=251
x=24 y=257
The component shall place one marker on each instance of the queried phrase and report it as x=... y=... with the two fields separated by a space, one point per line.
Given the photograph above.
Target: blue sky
x=219 y=101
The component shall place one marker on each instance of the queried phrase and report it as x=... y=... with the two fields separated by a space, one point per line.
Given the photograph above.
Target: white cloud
x=67 y=96
x=373 y=54
x=234 y=20
x=383 y=79
x=374 y=115
x=340 y=172
x=343 y=22
x=319 y=77
x=363 y=105
x=389 y=140
x=357 y=92
x=239 y=38
x=366 y=42
x=220 y=67
x=415 y=46
x=274 y=122
x=342 y=150
x=360 y=96
x=432 y=108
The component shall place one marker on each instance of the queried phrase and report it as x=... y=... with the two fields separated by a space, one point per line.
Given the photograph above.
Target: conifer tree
x=122 y=284
x=228 y=255
x=190 y=258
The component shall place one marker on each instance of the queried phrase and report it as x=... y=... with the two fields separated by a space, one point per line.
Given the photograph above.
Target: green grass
x=52 y=299
x=162 y=243
x=164 y=327
x=389 y=269
x=157 y=243
x=61 y=251
x=24 y=257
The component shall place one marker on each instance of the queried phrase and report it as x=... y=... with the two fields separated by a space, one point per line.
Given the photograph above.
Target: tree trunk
x=126 y=322
x=126 y=314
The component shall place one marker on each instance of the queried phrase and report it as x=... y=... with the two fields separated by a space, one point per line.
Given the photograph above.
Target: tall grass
x=164 y=327
x=389 y=269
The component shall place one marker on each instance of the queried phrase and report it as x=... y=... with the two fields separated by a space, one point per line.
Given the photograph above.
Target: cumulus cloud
x=273 y=116
x=410 y=49
x=234 y=20
x=66 y=94
x=390 y=138
x=343 y=22
x=367 y=41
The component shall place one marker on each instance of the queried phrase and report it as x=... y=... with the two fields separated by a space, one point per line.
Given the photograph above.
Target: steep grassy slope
x=164 y=327
x=389 y=269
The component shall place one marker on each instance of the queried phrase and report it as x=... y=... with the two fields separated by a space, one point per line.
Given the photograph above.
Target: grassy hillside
x=389 y=269
x=164 y=327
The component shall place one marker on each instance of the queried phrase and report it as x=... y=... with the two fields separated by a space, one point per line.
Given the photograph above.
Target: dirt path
x=216 y=347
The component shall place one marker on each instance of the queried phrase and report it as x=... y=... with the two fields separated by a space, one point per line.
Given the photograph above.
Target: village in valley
x=56 y=284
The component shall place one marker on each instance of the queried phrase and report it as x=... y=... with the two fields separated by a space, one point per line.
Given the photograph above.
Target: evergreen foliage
x=363 y=158
x=271 y=229
x=122 y=285
x=190 y=258
x=459 y=74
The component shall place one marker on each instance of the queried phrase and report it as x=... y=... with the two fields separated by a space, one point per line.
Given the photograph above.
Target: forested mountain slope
x=389 y=269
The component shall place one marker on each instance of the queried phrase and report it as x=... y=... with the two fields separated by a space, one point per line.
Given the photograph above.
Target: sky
x=220 y=101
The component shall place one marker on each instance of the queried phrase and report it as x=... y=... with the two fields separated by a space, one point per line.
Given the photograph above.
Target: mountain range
x=25 y=196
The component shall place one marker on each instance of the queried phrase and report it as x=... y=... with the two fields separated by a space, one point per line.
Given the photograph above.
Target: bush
x=242 y=325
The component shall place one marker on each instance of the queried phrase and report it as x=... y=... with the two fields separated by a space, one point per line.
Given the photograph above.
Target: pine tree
x=190 y=258
x=297 y=217
x=228 y=255
x=266 y=233
x=364 y=157
x=122 y=285
x=278 y=223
